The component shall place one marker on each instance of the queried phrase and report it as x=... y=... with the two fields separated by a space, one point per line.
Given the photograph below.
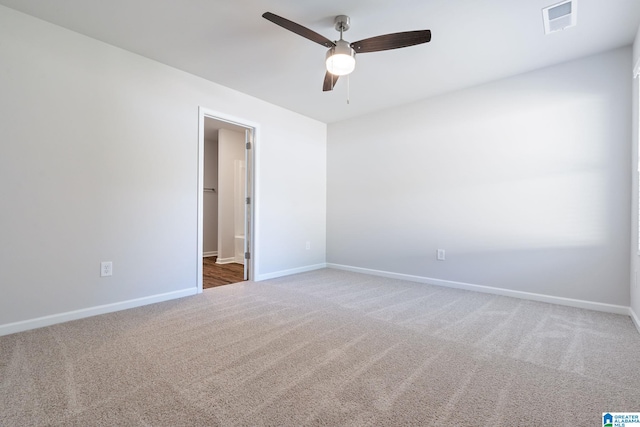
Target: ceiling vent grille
x=560 y=16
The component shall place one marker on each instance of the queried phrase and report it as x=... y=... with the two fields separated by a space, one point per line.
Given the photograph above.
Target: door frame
x=251 y=184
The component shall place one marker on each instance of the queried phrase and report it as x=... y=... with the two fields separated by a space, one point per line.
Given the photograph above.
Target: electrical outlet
x=440 y=255
x=106 y=268
x=308 y=245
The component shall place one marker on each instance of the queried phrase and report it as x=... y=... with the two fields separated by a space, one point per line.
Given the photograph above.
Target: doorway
x=225 y=195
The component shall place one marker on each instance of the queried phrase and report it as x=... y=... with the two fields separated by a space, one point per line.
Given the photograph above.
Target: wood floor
x=220 y=274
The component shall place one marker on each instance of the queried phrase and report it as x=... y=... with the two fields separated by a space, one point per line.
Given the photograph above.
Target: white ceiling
x=228 y=42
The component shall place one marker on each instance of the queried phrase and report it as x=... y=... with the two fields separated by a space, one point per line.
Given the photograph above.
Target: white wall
x=231 y=148
x=524 y=182
x=635 y=253
x=98 y=162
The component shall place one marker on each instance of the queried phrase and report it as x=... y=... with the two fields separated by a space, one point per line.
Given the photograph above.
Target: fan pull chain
x=348 y=88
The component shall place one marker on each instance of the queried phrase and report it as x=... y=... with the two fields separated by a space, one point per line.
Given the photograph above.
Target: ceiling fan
x=340 y=59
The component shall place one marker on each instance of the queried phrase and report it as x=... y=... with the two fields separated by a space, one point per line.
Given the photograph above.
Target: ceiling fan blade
x=298 y=29
x=329 y=81
x=392 y=41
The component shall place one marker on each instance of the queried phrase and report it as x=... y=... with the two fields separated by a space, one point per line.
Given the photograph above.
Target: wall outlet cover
x=106 y=268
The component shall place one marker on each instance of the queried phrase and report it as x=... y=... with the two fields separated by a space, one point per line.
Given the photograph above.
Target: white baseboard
x=25 y=325
x=570 y=302
x=210 y=253
x=634 y=318
x=226 y=260
x=283 y=273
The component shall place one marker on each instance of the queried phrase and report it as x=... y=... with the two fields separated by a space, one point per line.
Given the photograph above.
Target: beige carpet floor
x=326 y=348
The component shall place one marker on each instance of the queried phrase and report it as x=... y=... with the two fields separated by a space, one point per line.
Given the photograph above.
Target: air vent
x=560 y=16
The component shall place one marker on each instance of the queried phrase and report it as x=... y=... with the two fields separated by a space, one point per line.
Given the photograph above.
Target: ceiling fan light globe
x=341 y=59
x=341 y=64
